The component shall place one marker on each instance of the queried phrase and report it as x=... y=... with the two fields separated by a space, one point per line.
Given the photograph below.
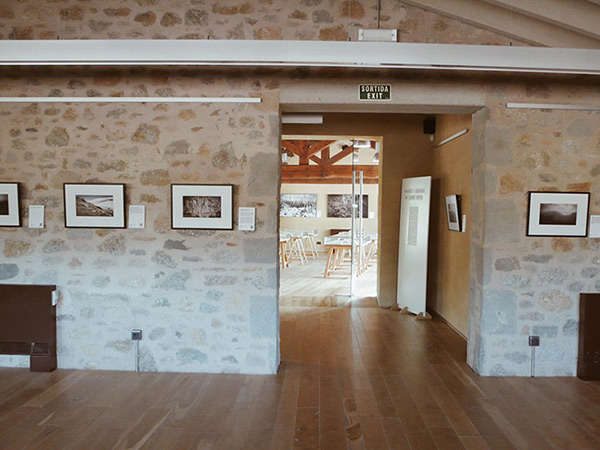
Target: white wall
x=324 y=224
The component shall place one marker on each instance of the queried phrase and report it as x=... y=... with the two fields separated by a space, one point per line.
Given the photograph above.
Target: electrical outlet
x=534 y=341
x=136 y=335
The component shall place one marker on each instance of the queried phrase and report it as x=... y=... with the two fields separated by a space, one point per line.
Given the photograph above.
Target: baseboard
x=443 y=319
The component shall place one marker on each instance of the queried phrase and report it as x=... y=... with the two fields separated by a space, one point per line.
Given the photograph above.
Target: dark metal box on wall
x=588 y=361
x=28 y=324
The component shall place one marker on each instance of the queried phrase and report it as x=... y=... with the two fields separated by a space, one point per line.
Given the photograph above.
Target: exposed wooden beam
x=306 y=149
x=318 y=172
x=576 y=15
x=338 y=180
x=341 y=155
x=511 y=24
x=316 y=147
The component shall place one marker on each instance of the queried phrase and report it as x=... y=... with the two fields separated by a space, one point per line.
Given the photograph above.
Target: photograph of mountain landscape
x=94 y=205
x=3 y=204
x=558 y=214
x=201 y=206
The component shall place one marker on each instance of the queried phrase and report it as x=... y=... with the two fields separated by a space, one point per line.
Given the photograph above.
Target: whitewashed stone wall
x=531 y=286
x=206 y=300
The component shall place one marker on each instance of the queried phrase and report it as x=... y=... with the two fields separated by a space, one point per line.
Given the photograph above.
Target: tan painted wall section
x=449 y=252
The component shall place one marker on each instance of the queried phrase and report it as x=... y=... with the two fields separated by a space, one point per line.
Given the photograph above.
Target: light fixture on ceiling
x=284 y=156
x=451 y=138
x=574 y=107
x=310 y=119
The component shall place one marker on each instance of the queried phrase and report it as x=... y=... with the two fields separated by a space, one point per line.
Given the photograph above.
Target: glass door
x=357 y=225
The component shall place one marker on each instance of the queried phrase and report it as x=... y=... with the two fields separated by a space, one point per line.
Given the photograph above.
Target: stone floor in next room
x=350 y=378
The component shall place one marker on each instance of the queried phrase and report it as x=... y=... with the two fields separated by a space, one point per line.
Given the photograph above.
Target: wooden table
x=336 y=252
x=335 y=257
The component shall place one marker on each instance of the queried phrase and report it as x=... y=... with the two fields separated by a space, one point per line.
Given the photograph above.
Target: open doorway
x=329 y=219
x=409 y=150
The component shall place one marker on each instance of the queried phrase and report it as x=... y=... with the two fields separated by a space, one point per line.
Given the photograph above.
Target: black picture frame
x=11 y=220
x=70 y=210
x=222 y=223
x=551 y=226
x=454 y=200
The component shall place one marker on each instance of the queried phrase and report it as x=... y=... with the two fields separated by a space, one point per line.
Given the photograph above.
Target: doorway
x=329 y=219
x=408 y=151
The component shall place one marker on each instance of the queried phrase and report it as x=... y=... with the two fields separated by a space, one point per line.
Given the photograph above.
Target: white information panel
x=414 y=243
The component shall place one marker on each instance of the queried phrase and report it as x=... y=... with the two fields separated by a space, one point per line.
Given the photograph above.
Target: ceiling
x=544 y=23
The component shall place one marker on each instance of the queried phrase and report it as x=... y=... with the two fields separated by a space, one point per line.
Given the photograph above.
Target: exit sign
x=374 y=92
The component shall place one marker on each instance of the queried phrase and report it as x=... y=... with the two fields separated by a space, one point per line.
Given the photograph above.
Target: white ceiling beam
x=240 y=53
x=580 y=16
x=511 y=24
x=130 y=100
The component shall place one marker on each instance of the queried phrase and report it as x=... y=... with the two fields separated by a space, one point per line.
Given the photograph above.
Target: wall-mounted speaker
x=429 y=126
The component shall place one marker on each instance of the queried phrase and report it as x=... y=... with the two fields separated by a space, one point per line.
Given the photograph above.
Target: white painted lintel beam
x=299 y=54
x=130 y=100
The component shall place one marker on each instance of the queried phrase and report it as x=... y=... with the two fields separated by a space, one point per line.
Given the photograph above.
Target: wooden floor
x=308 y=281
x=350 y=378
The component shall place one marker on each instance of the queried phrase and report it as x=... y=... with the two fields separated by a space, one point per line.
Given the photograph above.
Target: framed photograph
x=340 y=205
x=10 y=213
x=202 y=206
x=298 y=205
x=558 y=214
x=94 y=205
x=453 y=215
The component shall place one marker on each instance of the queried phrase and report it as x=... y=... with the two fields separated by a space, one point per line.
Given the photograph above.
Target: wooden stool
x=283 y=243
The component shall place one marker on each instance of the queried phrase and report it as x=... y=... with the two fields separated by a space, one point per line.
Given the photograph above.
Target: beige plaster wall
x=449 y=255
x=405 y=153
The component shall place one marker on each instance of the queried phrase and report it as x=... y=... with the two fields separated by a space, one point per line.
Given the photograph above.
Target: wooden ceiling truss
x=326 y=168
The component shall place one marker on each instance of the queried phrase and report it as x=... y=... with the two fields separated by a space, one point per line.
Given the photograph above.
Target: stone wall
x=206 y=300
x=531 y=285
x=225 y=318
x=331 y=20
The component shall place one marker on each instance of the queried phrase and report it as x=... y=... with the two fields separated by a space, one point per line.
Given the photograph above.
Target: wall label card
x=594 y=226
x=36 y=216
x=137 y=216
x=246 y=219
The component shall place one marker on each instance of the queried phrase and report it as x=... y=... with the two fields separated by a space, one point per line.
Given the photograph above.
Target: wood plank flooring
x=308 y=281
x=350 y=378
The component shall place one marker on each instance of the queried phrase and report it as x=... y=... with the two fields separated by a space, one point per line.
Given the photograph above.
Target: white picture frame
x=558 y=214
x=202 y=206
x=453 y=213
x=10 y=211
x=94 y=205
